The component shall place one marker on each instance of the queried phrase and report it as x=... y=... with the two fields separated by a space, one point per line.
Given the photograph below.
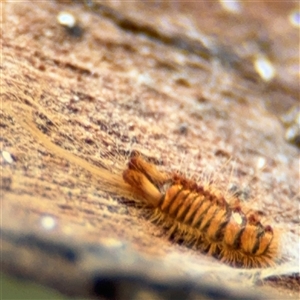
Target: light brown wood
x=174 y=81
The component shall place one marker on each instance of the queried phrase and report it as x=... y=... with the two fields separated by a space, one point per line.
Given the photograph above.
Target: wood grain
x=168 y=81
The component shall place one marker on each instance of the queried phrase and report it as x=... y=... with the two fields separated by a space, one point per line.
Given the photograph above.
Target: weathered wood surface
x=174 y=81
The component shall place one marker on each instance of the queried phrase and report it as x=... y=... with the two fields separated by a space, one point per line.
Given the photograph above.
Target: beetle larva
x=200 y=215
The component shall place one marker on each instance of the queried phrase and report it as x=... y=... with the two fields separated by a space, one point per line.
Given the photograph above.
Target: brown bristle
x=253 y=219
x=134 y=153
x=268 y=228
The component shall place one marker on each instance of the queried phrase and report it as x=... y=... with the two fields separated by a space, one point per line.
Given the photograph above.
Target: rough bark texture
x=175 y=81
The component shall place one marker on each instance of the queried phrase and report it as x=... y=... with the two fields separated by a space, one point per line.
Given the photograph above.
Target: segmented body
x=201 y=216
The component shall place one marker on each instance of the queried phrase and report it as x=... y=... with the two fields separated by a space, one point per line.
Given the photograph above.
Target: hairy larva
x=200 y=215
